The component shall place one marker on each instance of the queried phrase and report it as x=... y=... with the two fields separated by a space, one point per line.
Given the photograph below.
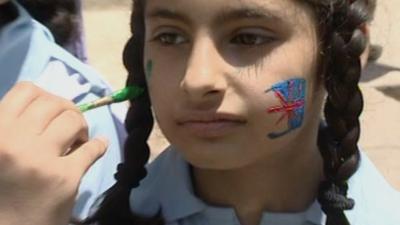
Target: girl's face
x=233 y=82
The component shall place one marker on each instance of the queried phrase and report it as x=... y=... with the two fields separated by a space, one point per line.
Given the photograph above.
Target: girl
x=238 y=88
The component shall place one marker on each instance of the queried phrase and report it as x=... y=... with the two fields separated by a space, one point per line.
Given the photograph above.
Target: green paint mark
x=149 y=69
x=127 y=93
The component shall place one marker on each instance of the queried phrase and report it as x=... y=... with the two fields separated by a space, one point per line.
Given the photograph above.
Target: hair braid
x=115 y=207
x=8 y=12
x=344 y=104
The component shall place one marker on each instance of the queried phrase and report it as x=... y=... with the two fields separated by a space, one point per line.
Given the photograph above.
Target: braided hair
x=342 y=43
x=115 y=208
x=60 y=16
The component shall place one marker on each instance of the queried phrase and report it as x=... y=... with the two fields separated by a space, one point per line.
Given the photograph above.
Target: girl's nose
x=204 y=76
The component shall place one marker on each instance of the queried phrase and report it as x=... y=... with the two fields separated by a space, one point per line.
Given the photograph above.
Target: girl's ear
x=365 y=29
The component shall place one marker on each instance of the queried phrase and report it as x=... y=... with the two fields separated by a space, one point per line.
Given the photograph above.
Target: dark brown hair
x=60 y=16
x=8 y=13
x=342 y=43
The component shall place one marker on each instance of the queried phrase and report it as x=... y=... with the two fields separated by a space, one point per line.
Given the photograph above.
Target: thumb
x=87 y=154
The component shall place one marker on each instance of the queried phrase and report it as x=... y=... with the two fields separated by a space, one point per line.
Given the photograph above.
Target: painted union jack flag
x=291 y=95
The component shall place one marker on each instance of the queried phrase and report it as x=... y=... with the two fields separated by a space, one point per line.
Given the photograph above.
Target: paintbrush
x=127 y=93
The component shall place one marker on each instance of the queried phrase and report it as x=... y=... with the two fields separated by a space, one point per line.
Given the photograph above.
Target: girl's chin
x=215 y=158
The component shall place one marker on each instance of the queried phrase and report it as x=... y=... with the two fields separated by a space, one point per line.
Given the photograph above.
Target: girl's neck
x=285 y=183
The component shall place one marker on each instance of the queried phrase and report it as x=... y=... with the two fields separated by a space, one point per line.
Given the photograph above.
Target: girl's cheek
x=150 y=78
x=290 y=98
x=149 y=69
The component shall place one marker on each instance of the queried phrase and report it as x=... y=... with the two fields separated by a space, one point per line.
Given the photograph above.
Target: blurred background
x=106 y=24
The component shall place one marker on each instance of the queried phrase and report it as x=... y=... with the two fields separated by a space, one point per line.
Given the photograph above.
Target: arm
x=40 y=162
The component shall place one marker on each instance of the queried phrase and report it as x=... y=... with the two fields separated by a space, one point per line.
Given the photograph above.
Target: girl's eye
x=171 y=39
x=249 y=39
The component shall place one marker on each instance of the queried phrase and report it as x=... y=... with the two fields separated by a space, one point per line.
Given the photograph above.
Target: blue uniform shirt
x=28 y=53
x=168 y=188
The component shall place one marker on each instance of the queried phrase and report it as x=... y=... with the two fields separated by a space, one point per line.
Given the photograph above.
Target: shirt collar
x=313 y=214
x=168 y=188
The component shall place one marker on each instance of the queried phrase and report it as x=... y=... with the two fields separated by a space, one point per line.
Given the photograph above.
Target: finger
x=19 y=98
x=65 y=131
x=86 y=155
x=43 y=110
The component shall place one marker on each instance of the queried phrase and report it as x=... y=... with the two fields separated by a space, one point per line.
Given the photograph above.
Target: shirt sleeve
x=105 y=121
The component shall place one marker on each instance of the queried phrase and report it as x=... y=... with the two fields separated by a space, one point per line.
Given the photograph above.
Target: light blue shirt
x=168 y=189
x=28 y=53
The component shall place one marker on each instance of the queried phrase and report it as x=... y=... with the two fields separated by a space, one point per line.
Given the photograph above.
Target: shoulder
x=37 y=51
x=45 y=56
x=29 y=52
x=376 y=201
x=32 y=55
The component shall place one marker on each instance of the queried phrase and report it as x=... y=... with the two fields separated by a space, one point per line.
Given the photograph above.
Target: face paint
x=149 y=69
x=291 y=95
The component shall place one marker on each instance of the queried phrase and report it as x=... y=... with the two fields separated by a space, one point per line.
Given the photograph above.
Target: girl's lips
x=211 y=125
x=212 y=129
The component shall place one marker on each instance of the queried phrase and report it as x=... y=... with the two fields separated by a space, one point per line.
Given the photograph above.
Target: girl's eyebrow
x=247 y=13
x=224 y=16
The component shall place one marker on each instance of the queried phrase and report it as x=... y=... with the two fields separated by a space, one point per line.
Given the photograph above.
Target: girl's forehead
x=289 y=11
